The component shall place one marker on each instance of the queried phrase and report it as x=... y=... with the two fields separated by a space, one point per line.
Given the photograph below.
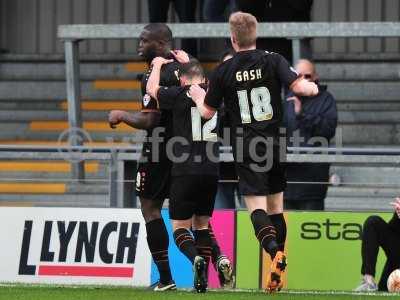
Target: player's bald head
x=243 y=28
x=306 y=65
x=155 y=40
x=307 y=69
x=159 y=32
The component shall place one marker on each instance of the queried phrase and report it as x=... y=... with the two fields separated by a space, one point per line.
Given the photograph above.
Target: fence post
x=296 y=49
x=74 y=101
x=113 y=177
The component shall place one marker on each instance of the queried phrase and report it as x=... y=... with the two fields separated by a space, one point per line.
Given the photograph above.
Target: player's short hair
x=244 y=28
x=192 y=69
x=160 y=31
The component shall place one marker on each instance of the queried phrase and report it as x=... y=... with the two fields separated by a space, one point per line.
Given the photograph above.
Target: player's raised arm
x=153 y=84
x=198 y=95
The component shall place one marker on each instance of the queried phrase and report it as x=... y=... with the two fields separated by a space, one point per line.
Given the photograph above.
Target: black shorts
x=261 y=178
x=153 y=180
x=192 y=195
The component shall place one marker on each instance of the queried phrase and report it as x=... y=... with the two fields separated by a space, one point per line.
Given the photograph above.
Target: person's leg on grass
x=263 y=227
x=374 y=230
x=221 y=263
x=203 y=243
x=275 y=212
x=184 y=239
x=278 y=265
x=158 y=241
x=182 y=208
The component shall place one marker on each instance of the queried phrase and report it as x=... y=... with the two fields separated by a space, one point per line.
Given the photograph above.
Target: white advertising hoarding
x=74 y=246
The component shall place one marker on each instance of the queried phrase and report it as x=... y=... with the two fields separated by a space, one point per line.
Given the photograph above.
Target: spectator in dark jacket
x=279 y=11
x=377 y=233
x=309 y=121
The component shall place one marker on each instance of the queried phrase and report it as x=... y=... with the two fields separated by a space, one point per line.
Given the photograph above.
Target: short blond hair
x=243 y=28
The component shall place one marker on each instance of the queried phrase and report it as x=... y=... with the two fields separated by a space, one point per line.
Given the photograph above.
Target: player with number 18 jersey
x=250 y=85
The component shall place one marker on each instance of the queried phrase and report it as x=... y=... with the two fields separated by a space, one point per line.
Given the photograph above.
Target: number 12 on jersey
x=204 y=133
x=261 y=104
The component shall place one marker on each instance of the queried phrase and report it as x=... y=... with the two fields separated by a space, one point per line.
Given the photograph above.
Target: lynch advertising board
x=74 y=246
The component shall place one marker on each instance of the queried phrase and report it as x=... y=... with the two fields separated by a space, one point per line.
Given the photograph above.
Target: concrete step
x=45 y=166
x=369 y=134
x=56 y=90
x=65 y=200
x=24 y=176
x=358 y=203
x=365 y=90
x=56 y=71
x=88 y=71
x=359 y=71
x=369 y=117
x=60 y=126
x=26 y=137
x=357 y=192
x=368 y=175
x=351 y=117
x=48 y=187
x=55 y=105
x=351 y=134
x=88 y=188
x=130 y=89
x=48 y=115
x=117 y=70
x=368 y=106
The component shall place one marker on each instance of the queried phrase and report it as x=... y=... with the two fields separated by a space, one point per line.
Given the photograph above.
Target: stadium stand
x=33 y=111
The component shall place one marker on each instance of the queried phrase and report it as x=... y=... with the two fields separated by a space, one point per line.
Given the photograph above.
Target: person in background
x=307 y=118
x=279 y=11
x=377 y=233
x=217 y=11
x=226 y=190
x=186 y=11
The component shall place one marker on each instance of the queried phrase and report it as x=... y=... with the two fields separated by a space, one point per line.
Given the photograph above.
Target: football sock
x=279 y=223
x=185 y=243
x=203 y=243
x=157 y=239
x=264 y=231
x=215 y=249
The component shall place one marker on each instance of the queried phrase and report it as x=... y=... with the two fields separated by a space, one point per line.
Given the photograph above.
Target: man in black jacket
x=309 y=121
x=377 y=233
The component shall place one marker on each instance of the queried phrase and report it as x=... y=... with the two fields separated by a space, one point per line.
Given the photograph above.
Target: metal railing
x=118 y=157
x=73 y=34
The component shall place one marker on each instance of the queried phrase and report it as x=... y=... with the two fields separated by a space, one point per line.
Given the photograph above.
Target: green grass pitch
x=24 y=292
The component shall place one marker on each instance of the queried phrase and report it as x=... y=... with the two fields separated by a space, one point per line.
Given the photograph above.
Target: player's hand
x=396 y=205
x=115 y=117
x=159 y=61
x=197 y=93
x=297 y=104
x=181 y=56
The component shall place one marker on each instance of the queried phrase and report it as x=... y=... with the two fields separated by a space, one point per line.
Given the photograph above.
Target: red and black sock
x=185 y=243
x=264 y=231
x=203 y=243
x=158 y=241
x=215 y=249
x=279 y=223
